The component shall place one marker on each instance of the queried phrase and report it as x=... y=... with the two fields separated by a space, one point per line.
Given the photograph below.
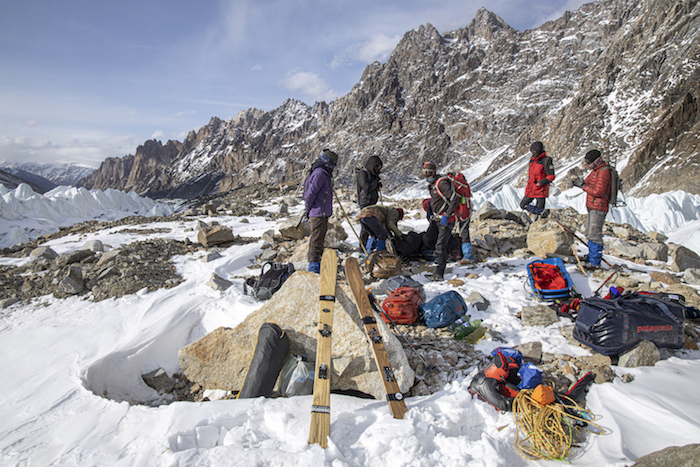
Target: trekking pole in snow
x=348 y=219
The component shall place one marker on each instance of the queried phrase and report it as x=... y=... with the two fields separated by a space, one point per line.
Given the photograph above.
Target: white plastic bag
x=299 y=380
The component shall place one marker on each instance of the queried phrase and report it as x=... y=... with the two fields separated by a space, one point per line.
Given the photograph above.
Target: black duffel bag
x=613 y=326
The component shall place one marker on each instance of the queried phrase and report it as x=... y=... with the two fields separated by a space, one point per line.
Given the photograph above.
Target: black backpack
x=409 y=244
x=270 y=280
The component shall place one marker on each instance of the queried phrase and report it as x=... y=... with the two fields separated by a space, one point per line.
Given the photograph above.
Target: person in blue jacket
x=318 y=199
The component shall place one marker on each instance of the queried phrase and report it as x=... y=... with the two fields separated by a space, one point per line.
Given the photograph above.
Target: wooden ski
x=321 y=408
x=397 y=405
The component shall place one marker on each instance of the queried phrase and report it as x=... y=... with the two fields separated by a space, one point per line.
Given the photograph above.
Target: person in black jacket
x=440 y=213
x=368 y=185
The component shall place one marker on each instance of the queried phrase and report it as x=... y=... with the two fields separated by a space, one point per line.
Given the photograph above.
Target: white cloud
x=89 y=150
x=377 y=48
x=256 y=68
x=310 y=84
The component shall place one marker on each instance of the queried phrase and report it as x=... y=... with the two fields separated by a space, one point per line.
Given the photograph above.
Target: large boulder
x=488 y=211
x=654 y=251
x=674 y=456
x=44 y=252
x=547 y=237
x=684 y=258
x=624 y=249
x=643 y=354
x=220 y=360
x=210 y=236
x=692 y=276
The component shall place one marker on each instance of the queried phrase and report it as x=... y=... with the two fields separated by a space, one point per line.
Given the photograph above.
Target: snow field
x=71 y=365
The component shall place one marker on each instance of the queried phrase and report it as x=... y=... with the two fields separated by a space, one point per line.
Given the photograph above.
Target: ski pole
x=574 y=252
x=568 y=229
x=348 y=219
x=605 y=282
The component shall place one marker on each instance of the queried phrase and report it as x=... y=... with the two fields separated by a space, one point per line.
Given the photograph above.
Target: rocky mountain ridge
x=48 y=175
x=619 y=75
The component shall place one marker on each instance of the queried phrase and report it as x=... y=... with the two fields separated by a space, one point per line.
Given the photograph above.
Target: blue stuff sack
x=530 y=376
x=443 y=310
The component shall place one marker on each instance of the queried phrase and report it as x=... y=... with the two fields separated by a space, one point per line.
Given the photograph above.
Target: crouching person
x=380 y=222
x=318 y=199
x=597 y=187
x=540 y=175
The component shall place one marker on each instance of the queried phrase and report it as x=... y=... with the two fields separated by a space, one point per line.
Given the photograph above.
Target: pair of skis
x=320 y=409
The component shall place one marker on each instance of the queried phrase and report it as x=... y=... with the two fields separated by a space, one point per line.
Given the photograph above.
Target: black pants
x=539 y=203
x=464 y=230
x=374 y=227
x=444 y=233
x=364 y=235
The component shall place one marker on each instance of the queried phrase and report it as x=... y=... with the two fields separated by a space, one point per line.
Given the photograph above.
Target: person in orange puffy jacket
x=597 y=187
x=540 y=175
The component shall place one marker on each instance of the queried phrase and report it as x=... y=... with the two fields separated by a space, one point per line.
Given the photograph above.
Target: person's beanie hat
x=591 y=156
x=537 y=147
x=429 y=169
x=333 y=157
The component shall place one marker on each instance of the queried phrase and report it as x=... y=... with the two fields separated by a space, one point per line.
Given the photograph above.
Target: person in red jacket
x=540 y=175
x=597 y=187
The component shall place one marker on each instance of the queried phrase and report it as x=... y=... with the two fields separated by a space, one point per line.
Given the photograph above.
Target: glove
x=444 y=220
x=543 y=182
x=577 y=182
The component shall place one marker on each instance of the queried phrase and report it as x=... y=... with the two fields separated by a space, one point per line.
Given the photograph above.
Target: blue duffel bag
x=443 y=310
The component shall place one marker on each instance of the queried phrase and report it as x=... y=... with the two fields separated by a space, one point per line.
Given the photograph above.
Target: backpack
x=443 y=310
x=460 y=187
x=395 y=282
x=402 y=306
x=381 y=264
x=408 y=245
x=612 y=326
x=270 y=280
x=615 y=188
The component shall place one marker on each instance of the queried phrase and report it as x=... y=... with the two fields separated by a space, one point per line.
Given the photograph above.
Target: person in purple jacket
x=318 y=198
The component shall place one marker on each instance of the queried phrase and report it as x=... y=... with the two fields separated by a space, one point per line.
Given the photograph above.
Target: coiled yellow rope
x=549 y=429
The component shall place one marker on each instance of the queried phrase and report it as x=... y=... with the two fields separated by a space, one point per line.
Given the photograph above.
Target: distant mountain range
x=618 y=75
x=44 y=177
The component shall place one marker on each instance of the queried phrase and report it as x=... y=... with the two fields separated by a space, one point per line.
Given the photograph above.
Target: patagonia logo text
x=665 y=327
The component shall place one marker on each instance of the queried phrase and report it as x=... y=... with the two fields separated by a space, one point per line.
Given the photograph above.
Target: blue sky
x=83 y=80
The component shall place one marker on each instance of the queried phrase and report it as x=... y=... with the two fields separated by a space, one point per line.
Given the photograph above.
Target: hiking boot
x=437 y=277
